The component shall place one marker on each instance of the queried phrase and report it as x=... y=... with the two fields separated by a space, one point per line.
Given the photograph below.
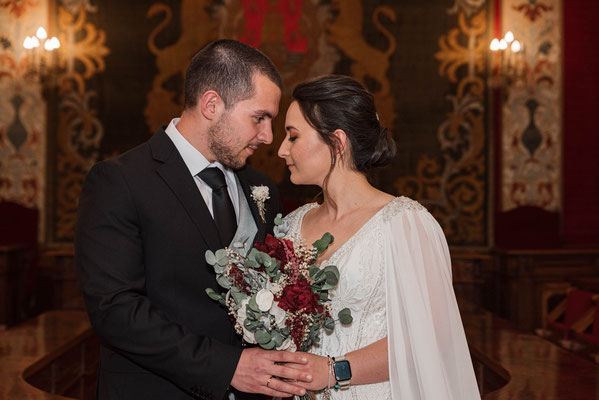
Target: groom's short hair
x=227 y=67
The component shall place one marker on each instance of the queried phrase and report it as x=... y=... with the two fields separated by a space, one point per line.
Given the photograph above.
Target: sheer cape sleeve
x=428 y=353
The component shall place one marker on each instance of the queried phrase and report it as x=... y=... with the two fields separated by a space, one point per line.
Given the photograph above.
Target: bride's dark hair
x=334 y=102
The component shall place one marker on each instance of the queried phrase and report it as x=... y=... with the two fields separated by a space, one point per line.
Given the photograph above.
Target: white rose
x=286 y=344
x=279 y=314
x=264 y=299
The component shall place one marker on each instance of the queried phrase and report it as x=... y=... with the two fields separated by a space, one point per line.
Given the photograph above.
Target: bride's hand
x=318 y=367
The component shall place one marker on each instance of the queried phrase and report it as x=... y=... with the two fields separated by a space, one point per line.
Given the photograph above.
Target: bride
x=406 y=340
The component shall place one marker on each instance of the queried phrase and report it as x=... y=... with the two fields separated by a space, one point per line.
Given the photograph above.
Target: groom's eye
x=259 y=119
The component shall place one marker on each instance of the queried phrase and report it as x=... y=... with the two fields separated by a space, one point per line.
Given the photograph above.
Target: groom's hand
x=259 y=371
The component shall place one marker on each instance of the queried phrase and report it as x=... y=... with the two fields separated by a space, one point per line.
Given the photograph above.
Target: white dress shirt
x=196 y=162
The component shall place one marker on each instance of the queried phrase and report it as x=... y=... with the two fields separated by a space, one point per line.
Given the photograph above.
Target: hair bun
x=384 y=150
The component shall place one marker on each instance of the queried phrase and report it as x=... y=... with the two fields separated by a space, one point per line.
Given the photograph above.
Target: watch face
x=342 y=370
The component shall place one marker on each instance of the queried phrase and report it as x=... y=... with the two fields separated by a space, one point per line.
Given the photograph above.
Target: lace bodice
x=361 y=287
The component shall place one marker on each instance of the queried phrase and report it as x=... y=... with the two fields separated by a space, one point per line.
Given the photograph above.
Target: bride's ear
x=341 y=140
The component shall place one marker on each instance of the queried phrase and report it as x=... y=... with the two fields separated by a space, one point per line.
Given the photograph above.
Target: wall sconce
x=42 y=56
x=507 y=61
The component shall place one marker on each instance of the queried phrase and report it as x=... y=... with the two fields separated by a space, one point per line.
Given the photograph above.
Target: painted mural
x=532 y=111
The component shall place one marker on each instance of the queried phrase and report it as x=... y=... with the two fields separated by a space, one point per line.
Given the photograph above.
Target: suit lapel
x=246 y=186
x=175 y=174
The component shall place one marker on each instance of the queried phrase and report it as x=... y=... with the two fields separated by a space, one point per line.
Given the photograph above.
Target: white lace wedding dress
x=396 y=279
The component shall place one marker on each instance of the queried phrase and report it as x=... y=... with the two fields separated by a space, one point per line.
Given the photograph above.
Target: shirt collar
x=193 y=158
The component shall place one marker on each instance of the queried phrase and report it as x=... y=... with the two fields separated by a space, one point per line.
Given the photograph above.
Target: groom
x=145 y=221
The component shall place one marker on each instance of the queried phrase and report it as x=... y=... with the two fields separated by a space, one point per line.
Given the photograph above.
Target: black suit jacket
x=142 y=231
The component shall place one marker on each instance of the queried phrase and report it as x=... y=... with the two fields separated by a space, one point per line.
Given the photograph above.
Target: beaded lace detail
x=361 y=288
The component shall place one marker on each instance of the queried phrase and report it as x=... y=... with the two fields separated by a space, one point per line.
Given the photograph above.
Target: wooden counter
x=52 y=353
x=523 y=366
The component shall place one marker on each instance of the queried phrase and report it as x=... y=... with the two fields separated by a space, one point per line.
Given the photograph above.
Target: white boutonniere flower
x=260 y=195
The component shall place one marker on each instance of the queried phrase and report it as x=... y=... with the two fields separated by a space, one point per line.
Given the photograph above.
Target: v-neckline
x=351 y=238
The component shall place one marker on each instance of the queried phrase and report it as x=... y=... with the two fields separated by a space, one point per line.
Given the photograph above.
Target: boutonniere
x=260 y=195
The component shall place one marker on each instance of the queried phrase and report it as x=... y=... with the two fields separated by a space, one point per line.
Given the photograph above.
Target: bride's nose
x=283 y=149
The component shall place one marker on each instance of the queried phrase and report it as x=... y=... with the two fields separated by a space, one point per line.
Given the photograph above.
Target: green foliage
x=323 y=243
x=345 y=316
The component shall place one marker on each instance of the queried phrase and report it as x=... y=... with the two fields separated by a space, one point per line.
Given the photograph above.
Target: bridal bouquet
x=275 y=294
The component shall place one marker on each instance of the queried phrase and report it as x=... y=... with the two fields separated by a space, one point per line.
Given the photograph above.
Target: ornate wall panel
x=124 y=64
x=79 y=131
x=22 y=109
x=532 y=112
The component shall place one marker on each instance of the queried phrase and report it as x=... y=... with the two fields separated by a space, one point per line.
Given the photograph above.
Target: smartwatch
x=342 y=372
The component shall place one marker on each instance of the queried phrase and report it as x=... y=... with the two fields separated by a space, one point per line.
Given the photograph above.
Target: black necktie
x=222 y=207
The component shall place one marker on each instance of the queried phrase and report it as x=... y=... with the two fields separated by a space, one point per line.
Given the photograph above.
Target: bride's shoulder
x=400 y=205
x=300 y=211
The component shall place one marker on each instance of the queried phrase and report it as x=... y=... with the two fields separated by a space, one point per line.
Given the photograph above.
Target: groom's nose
x=265 y=134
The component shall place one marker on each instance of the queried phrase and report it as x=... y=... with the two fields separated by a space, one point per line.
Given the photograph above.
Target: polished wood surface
x=526 y=278
x=530 y=367
x=37 y=348
x=510 y=364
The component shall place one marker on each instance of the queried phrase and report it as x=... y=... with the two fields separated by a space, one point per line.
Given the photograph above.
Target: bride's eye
x=292 y=138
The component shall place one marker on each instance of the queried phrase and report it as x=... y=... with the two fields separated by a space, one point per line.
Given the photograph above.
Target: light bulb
x=509 y=37
x=41 y=33
x=516 y=46
x=34 y=42
x=502 y=44
x=48 y=45
x=495 y=44
x=55 y=42
x=27 y=43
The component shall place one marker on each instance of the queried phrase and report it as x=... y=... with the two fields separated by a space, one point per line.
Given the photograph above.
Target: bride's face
x=307 y=156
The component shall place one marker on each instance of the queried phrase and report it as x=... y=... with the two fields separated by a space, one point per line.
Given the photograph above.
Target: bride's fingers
x=278 y=388
x=291 y=374
x=288 y=357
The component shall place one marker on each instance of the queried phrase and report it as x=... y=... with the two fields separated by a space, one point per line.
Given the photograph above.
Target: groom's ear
x=211 y=105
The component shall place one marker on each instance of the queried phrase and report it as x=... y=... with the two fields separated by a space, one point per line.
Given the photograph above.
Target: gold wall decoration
x=198 y=28
x=452 y=185
x=345 y=32
x=79 y=131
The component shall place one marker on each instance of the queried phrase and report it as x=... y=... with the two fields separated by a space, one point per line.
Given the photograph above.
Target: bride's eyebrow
x=290 y=127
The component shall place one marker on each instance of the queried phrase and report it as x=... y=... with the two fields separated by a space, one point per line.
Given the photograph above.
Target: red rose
x=275 y=248
x=298 y=296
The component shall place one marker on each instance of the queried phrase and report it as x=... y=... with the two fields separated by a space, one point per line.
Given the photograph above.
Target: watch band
x=343 y=384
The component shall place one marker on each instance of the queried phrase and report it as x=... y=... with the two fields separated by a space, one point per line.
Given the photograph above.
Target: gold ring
x=268 y=381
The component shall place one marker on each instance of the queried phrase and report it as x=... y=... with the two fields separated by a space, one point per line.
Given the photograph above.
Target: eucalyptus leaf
x=221 y=256
x=252 y=254
x=210 y=257
x=262 y=336
x=213 y=295
x=253 y=305
x=277 y=337
x=279 y=219
x=223 y=281
x=329 y=325
x=251 y=263
x=285 y=331
x=219 y=269
x=313 y=270
x=345 y=316
x=238 y=295
x=268 y=346
x=331 y=270
x=324 y=242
